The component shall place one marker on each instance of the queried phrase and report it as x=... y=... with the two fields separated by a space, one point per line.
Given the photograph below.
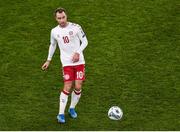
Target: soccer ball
x=115 y=113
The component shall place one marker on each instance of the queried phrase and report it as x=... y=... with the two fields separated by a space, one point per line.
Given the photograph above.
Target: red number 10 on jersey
x=66 y=39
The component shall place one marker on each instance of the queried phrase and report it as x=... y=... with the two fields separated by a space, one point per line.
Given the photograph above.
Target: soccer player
x=71 y=41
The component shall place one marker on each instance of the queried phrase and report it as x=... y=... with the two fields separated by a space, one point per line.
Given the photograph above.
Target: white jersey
x=70 y=39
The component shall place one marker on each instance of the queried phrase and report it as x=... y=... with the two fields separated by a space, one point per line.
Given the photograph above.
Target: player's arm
x=52 y=49
x=84 y=43
x=83 y=39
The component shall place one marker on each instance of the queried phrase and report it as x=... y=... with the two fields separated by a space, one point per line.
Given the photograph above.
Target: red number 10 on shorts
x=72 y=73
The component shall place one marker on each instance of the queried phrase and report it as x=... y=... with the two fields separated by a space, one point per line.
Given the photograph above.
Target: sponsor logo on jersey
x=70 y=32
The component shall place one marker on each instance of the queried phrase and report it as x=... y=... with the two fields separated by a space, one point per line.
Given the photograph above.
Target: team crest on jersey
x=70 y=32
x=58 y=36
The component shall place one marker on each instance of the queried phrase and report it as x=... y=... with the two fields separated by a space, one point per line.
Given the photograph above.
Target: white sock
x=75 y=96
x=63 y=101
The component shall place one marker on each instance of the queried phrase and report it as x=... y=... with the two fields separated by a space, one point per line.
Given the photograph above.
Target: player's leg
x=75 y=96
x=68 y=81
x=76 y=93
x=64 y=96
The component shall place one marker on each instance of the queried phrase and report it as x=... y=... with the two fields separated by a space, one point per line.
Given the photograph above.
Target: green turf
x=132 y=60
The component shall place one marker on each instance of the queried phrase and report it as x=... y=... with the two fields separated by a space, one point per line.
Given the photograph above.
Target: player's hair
x=59 y=10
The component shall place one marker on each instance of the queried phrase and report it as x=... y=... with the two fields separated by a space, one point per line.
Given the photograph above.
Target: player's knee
x=78 y=86
x=67 y=87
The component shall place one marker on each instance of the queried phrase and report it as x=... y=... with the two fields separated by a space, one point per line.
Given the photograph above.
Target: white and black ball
x=115 y=113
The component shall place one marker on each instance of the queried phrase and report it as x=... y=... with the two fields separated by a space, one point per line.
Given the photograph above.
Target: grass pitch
x=132 y=61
